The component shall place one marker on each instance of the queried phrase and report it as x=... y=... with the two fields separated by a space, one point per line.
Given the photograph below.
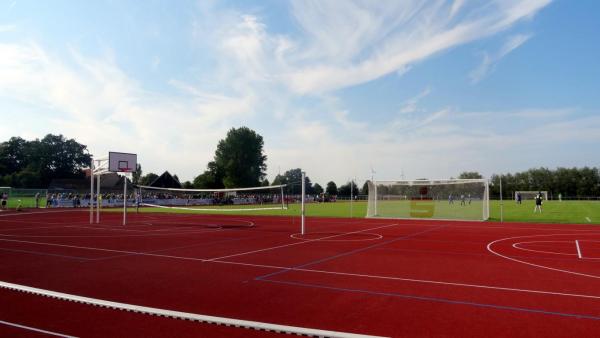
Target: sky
x=342 y=89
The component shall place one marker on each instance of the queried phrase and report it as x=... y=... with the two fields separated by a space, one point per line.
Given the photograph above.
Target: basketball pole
x=124 y=199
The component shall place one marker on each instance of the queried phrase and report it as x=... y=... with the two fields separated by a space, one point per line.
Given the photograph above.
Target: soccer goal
x=214 y=200
x=451 y=199
x=530 y=195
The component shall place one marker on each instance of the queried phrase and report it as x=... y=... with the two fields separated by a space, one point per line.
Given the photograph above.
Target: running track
x=373 y=277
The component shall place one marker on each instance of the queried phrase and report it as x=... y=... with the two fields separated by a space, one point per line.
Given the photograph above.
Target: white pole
x=92 y=191
x=98 y=200
x=282 y=199
x=302 y=203
x=501 y=203
x=351 y=196
x=125 y=200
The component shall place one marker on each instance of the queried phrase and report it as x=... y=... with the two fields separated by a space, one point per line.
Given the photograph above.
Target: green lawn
x=553 y=211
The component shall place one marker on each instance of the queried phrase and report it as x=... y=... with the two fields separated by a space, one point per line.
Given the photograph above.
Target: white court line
x=36 y=213
x=35 y=329
x=347 y=274
x=298 y=243
x=247 y=324
x=578 y=249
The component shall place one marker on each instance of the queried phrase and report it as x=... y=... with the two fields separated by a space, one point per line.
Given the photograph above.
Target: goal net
x=24 y=198
x=213 y=200
x=452 y=199
x=530 y=195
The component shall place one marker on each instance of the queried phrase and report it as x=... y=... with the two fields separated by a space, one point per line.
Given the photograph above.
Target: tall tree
x=469 y=175
x=345 y=189
x=212 y=178
x=148 y=178
x=331 y=188
x=240 y=155
x=36 y=163
x=365 y=189
x=317 y=189
x=137 y=174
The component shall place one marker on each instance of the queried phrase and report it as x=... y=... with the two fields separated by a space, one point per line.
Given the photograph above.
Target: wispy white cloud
x=489 y=62
x=410 y=105
x=7 y=28
x=360 y=41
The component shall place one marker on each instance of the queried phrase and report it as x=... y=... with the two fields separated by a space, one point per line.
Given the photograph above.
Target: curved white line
x=516 y=246
x=489 y=248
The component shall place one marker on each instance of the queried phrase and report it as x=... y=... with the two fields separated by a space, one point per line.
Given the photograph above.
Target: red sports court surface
x=361 y=276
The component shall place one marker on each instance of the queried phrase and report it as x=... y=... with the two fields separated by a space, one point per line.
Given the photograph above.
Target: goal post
x=449 y=199
x=531 y=194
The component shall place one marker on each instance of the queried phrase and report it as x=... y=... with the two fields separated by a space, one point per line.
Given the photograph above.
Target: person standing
x=4 y=202
x=37 y=200
x=518 y=198
x=538 y=203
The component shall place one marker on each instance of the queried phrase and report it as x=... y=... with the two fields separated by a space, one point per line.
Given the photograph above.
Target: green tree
x=137 y=174
x=365 y=189
x=469 y=175
x=331 y=188
x=317 y=189
x=187 y=185
x=148 y=178
x=345 y=189
x=212 y=178
x=240 y=157
x=36 y=163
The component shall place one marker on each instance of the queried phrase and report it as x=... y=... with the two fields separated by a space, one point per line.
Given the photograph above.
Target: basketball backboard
x=122 y=162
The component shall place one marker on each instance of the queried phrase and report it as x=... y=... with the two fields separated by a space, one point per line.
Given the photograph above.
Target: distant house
x=166 y=180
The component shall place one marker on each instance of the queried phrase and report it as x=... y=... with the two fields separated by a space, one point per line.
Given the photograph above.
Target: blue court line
x=348 y=253
x=438 y=300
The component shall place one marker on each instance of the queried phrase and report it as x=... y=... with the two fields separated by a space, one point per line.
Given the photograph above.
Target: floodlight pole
x=302 y=203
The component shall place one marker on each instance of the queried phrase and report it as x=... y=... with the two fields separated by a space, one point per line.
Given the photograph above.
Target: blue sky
x=413 y=88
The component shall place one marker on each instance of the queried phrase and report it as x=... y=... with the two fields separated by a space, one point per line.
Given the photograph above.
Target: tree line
x=569 y=182
x=33 y=164
x=239 y=161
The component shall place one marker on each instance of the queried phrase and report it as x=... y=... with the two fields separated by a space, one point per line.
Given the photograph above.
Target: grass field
x=553 y=211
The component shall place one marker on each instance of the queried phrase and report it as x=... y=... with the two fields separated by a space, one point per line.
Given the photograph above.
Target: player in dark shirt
x=538 y=203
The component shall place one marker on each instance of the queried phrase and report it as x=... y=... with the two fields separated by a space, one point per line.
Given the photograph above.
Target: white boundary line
x=347 y=274
x=578 y=249
x=517 y=246
x=35 y=329
x=247 y=324
x=323 y=239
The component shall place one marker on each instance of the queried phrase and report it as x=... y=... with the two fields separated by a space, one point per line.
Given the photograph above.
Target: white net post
x=98 y=193
x=302 y=198
x=92 y=191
